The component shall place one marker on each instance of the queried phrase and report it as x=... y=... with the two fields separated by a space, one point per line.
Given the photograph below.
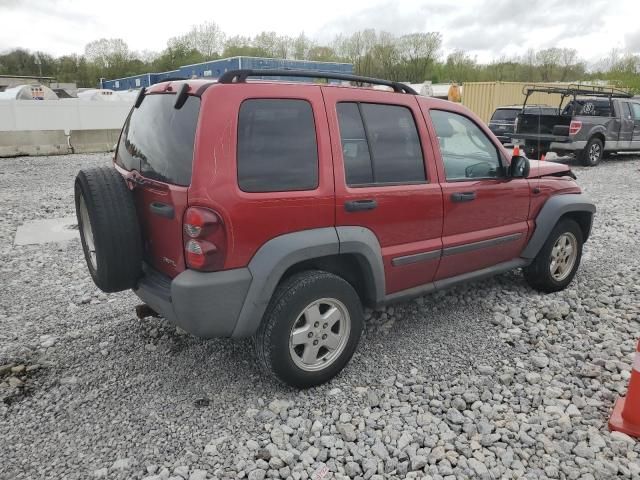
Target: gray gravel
x=488 y=380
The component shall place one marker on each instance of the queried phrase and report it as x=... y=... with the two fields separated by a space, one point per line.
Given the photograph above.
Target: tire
x=539 y=276
x=109 y=230
x=276 y=348
x=592 y=153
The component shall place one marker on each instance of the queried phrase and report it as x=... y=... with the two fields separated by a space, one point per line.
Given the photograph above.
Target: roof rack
x=578 y=89
x=239 y=76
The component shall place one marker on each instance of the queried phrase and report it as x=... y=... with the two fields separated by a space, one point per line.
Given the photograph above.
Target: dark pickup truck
x=593 y=123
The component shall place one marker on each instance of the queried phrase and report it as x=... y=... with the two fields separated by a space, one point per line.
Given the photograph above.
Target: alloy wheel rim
x=594 y=153
x=87 y=233
x=563 y=256
x=319 y=334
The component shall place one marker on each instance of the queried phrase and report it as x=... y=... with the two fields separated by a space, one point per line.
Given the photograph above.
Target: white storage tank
x=28 y=92
x=98 y=95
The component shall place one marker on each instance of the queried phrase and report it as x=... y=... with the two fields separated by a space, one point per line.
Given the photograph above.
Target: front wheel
x=310 y=330
x=557 y=262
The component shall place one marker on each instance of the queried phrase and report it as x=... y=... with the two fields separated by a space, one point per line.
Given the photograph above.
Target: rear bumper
x=206 y=304
x=568 y=146
x=550 y=143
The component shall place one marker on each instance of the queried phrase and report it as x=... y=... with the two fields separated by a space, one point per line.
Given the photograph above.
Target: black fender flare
x=272 y=260
x=553 y=209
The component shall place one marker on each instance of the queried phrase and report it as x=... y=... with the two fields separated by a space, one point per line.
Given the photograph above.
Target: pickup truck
x=595 y=122
x=503 y=120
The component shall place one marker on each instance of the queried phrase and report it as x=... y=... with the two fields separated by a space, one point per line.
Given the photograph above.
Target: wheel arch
x=350 y=252
x=576 y=206
x=598 y=133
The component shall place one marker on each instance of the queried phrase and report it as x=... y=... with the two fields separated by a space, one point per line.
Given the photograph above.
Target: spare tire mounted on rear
x=109 y=229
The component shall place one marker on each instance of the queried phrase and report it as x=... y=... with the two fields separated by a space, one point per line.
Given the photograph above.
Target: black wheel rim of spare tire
x=87 y=234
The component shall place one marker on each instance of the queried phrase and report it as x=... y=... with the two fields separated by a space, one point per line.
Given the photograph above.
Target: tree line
x=414 y=58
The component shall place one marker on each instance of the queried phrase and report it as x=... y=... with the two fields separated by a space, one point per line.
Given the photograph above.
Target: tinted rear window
x=157 y=140
x=505 y=114
x=588 y=107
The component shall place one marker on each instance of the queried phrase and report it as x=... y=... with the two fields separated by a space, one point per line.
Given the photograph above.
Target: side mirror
x=519 y=167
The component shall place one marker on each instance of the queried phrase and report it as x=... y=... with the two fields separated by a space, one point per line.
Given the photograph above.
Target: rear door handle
x=161 y=209
x=357 y=205
x=463 y=196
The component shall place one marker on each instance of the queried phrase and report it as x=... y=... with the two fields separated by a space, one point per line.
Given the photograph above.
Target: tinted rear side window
x=395 y=145
x=277 y=148
x=157 y=139
x=380 y=144
x=355 y=149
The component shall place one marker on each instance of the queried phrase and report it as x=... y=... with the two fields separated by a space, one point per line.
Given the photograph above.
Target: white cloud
x=487 y=29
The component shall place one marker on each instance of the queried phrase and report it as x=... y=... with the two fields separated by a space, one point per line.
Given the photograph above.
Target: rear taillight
x=205 y=239
x=574 y=127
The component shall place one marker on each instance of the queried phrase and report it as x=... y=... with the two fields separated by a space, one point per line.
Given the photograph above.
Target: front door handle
x=357 y=205
x=463 y=196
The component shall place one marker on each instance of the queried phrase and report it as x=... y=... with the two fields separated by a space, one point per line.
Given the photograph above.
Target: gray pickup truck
x=590 y=123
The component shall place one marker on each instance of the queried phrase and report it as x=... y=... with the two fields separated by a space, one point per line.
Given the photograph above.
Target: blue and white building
x=215 y=68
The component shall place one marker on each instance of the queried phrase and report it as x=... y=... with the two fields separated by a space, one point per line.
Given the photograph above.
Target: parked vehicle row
x=277 y=210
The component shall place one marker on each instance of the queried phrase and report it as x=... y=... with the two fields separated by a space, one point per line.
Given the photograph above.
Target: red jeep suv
x=276 y=210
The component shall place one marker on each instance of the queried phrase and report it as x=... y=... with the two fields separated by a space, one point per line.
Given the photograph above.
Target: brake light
x=205 y=239
x=574 y=127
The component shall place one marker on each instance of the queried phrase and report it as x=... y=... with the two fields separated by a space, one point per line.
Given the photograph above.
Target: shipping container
x=213 y=69
x=483 y=98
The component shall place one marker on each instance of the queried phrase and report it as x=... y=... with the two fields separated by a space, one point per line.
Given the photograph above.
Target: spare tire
x=109 y=229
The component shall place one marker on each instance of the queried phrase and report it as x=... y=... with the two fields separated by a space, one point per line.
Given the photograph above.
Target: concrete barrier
x=58 y=127
x=33 y=142
x=90 y=141
x=68 y=114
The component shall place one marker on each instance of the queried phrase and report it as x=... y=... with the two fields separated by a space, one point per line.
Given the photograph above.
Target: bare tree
x=568 y=61
x=548 y=60
x=110 y=54
x=207 y=38
x=272 y=44
x=420 y=51
x=301 y=46
x=387 y=56
x=460 y=66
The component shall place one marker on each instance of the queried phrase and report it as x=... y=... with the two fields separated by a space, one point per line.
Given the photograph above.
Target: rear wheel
x=109 y=230
x=557 y=262
x=592 y=153
x=310 y=330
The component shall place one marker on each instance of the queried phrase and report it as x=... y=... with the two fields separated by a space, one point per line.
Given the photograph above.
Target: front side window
x=380 y=144
x=277 y=148
x=466 y=151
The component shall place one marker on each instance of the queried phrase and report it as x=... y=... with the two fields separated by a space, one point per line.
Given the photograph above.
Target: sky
x=487 y=29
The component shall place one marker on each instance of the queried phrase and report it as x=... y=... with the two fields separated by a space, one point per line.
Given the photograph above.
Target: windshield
x=157 y=139
x=505 y=114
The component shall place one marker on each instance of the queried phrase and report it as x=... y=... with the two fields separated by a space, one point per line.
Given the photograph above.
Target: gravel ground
x=488 y=380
